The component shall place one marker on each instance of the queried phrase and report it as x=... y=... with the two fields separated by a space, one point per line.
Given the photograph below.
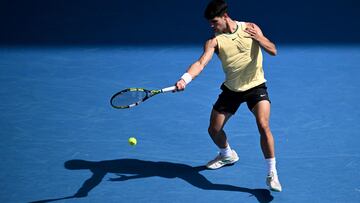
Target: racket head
x=128 y=98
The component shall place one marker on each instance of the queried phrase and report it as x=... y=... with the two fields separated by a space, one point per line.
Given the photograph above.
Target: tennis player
x=238 y=46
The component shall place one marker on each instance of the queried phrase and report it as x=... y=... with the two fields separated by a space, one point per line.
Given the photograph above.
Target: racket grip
x=169 y=89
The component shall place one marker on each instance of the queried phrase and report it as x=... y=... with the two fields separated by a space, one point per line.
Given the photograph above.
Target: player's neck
x=232 y=26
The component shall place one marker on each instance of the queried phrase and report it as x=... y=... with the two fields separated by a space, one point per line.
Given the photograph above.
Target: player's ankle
x=226 y=151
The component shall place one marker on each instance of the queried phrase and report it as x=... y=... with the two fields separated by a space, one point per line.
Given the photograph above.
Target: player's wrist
x=186 y=77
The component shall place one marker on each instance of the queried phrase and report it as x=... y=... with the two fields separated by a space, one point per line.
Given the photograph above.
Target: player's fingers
x=251 y=31
x=250 y=35
x=177 y=87
x=248 y=32
x=180 y=86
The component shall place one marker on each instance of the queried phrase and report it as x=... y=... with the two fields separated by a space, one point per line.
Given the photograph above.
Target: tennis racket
x=131 y=97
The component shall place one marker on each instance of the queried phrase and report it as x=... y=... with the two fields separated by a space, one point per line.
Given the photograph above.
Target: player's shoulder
x=211 y=42
x=251 y=24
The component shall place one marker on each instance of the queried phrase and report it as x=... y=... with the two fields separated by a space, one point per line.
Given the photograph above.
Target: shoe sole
x=225 y=164
x=275 y=190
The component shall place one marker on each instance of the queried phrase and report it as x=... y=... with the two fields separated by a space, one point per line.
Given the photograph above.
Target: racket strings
x=127 y=98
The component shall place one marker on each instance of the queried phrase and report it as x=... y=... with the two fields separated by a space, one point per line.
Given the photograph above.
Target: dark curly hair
x=215 y=8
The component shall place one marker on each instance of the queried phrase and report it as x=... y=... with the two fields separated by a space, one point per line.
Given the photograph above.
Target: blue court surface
x=61 y=141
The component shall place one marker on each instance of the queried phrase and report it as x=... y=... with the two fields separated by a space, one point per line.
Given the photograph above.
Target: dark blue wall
x=114 y=22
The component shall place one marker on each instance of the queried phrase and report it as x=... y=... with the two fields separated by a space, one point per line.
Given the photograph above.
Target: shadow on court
x=127 y=169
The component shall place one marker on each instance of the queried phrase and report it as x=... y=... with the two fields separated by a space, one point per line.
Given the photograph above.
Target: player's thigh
x=261 y=112
x=218 y=119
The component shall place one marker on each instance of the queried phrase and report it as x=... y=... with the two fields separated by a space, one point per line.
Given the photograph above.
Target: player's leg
x=227 y=155
x=261 y=112
x=226 y=105
x=216 y=132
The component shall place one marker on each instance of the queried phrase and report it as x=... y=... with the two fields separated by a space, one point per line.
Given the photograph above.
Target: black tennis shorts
x=229 y=101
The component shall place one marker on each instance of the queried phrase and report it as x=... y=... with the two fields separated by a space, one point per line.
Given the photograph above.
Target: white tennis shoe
x=272 y=180
x=221 y=161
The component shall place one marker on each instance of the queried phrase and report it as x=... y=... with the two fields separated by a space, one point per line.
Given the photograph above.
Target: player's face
x=218 y=24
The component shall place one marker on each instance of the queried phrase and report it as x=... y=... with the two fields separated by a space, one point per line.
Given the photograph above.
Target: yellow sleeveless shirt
x=241 y=58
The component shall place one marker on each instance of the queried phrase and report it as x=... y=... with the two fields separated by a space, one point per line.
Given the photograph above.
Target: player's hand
x=253 y=31
x=180 y=85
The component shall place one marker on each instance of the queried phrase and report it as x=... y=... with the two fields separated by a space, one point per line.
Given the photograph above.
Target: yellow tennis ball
x=132 y=141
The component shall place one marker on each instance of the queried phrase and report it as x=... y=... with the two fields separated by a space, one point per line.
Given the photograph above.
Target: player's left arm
x=255 y=32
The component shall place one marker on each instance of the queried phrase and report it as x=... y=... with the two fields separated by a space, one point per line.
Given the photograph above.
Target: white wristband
x=187 y=78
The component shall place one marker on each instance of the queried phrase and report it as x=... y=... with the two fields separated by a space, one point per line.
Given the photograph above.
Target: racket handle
x=169 y=89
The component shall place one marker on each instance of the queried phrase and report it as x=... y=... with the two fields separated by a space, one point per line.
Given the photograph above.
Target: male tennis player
x=238 y=46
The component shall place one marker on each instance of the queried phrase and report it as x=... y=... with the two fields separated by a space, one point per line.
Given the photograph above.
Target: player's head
x=216 y=14
x=215 y=8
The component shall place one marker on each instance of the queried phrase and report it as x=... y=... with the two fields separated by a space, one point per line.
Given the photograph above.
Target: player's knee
x=263 y=125
x=213 y=131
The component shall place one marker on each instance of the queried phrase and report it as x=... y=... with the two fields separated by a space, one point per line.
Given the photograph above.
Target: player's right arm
x=195 y=69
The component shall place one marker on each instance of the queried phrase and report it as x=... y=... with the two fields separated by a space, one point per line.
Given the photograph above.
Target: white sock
x=226 y=151
x=271 y=165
